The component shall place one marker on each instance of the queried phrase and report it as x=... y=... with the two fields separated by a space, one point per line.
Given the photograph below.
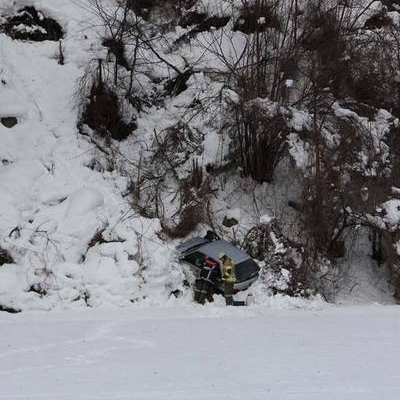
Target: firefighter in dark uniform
x=228 y=277
x=205 y=283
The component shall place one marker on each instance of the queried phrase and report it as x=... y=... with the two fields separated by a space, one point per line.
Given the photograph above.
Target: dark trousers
x=197 y=289
x=203 y=291
x=228 y=293
x=206 y=288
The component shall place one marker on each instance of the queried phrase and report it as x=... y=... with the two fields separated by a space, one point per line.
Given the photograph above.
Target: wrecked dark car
x=194 y=252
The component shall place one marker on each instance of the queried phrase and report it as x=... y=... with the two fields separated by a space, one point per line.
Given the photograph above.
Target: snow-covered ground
x=341 y=353
x=52 y=202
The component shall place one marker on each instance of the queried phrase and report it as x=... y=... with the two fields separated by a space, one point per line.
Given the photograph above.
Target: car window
x=195 y=258
x=246 y=269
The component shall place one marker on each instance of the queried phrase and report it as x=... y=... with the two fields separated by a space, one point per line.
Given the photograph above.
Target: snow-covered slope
x=68 y=223
x=74 y=237
x=52 y=204
x=202 y=353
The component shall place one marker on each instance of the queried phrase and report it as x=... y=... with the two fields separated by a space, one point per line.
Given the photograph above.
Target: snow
x=52 y=204
x=10 y=105
x=30 y=29
x=361 y=280
x=279 y=247
x=234 y=213
x=82 y=201
x=116 y=330
x=299 y=150
x=261 y=20
x=343 y=112
x=266 y=219
x=289 y=83
x=202 y=353
x=392 y=216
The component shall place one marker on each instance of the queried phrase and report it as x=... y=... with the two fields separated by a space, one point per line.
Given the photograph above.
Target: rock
x=9 y=122
x=229 y=222
x=5 y=257
x=378 y=21
x=9 y=309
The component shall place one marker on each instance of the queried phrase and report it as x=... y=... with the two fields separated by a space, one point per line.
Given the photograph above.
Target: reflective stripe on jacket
x=228 y=271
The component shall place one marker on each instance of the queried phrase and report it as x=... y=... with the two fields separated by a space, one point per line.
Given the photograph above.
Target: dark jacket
x=204 y=286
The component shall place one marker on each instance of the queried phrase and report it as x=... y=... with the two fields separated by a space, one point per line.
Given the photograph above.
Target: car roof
x=189 y=244
x=214 y=248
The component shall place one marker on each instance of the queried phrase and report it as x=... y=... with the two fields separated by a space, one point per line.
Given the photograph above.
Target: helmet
x=221 y=256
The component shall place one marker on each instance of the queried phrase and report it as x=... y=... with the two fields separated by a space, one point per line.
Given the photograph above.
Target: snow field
x=202 y=353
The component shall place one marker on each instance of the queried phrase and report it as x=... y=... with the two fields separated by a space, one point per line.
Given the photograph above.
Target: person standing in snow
x=204 y=287
x=228 y=277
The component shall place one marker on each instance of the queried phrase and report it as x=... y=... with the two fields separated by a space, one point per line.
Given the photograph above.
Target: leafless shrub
x=102 y=114
x=260 y=71
x=287 y=268
x=257 y=16
x=117 y=47
x=304 y=55
x=177 y=85
x=194 y=193
x=61 y=57
x=323 y=39
x=260 y=140
x=175 y=145
x=145 y=7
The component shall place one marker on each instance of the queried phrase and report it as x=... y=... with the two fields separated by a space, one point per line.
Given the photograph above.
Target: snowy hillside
x=127 y=127
x=52 y=203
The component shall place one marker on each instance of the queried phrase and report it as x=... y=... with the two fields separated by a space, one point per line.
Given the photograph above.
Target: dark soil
x=144 y=7
x=392 y=5
x=256 y=19
x=192 y=18
x=9 y=122
x=201 y=22
x=378 y=21
x=31 y=24
x=177 y=85
x=103 y=115
x=10 y=310
x=38 y=288
x=5 y=257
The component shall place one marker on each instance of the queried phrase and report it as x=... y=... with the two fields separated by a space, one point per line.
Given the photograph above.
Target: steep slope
x=73 y=236
x=91 y=202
